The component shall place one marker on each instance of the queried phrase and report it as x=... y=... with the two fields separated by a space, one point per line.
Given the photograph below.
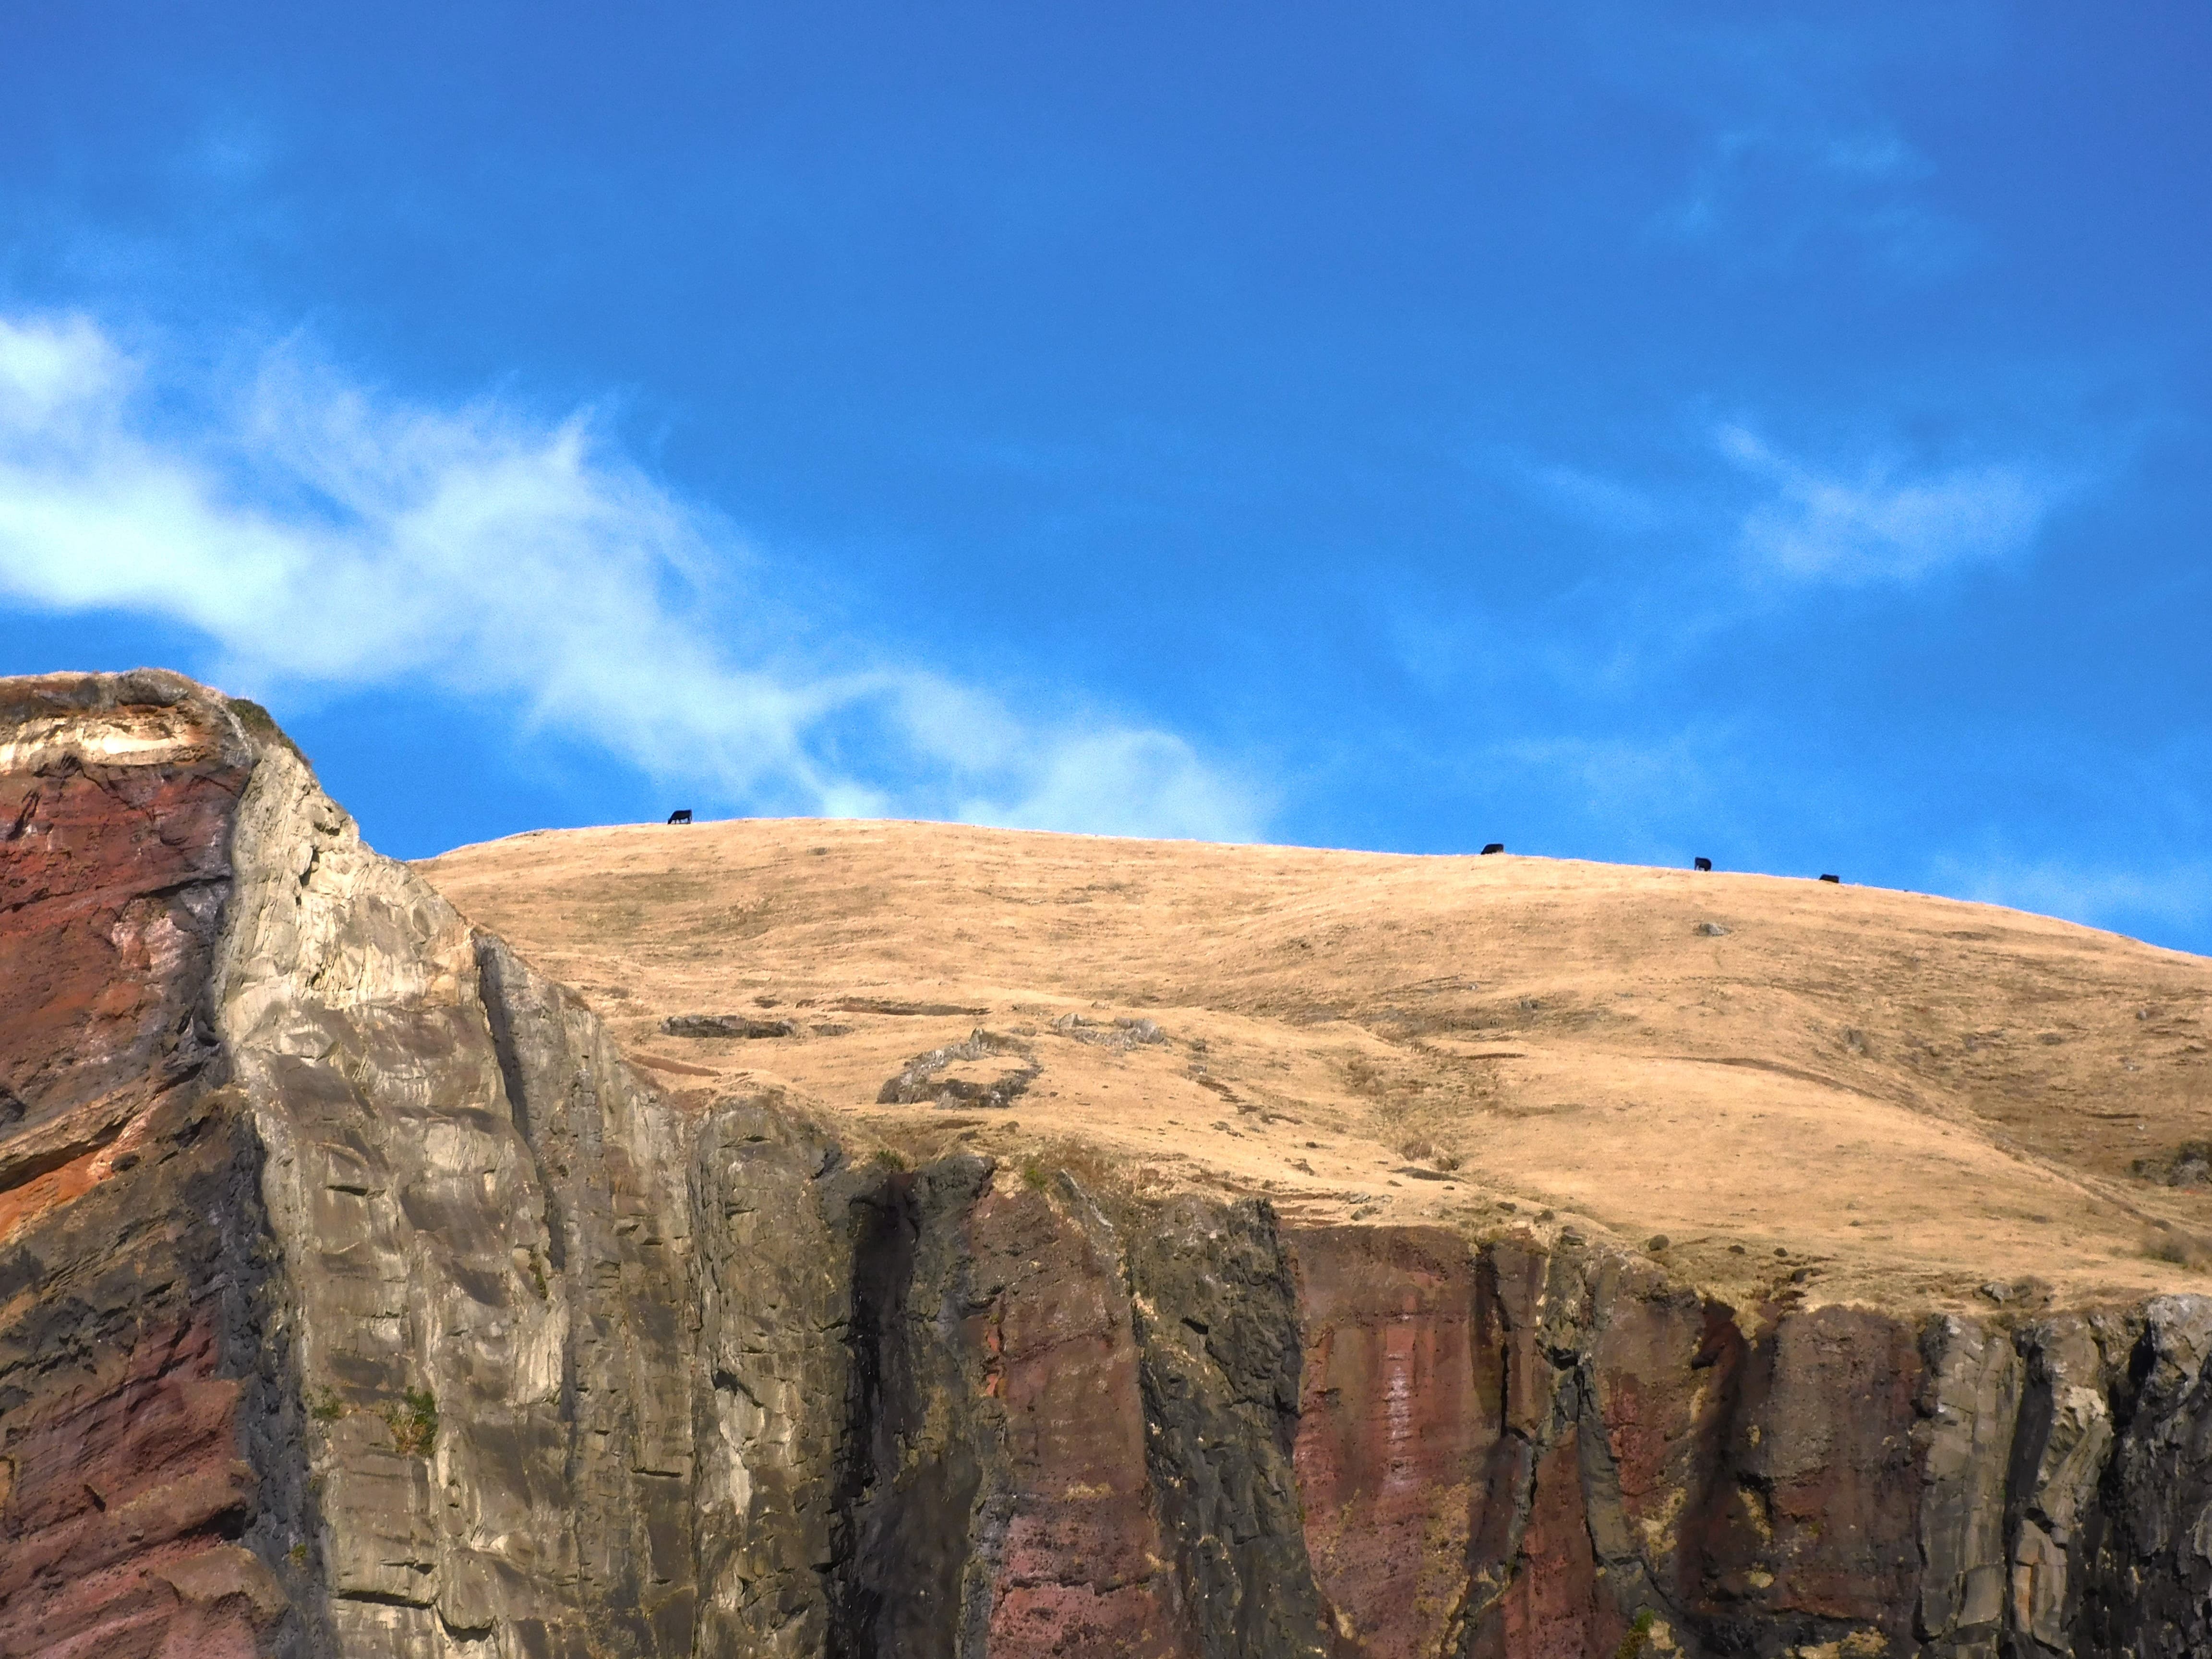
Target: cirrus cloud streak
x=318 y=534
x=1879 y=524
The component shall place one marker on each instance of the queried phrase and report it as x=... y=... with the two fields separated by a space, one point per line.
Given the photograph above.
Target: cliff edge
x=357 y=1297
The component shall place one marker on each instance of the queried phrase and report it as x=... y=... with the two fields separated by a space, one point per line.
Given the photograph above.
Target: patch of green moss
x=414 y=1423
x=1637 y=1642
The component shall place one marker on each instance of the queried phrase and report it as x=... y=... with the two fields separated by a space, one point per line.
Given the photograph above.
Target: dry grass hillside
x=1828 y=1091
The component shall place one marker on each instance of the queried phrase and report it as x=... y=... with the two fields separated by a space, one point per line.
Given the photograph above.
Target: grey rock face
x=1971 y=1405
x=771 y=1376
x=2059 y=1455
x=923 y=1490
x=1218 y=1330
x=481 y=1213
x=2151 y=1588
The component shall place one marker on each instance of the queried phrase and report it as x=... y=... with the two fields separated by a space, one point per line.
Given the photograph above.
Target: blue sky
x=1781 y=434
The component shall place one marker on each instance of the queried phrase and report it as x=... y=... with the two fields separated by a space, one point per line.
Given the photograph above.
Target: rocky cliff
x=356 y=1297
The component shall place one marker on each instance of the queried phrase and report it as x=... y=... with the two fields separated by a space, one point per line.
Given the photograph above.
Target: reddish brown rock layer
x=149 y=1508
x=1551 y=1609
x=1083 y=1563
x=1396 y=1421
x=1664 y=1380
x=116 y=798
x=125 y=1228
x=1537 y=1452
x=119 y=1496
x=1823 y=1525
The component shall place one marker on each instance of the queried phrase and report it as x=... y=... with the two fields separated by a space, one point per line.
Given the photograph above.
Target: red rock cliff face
x=116 y=799
x=1402 y=1409
x=1510 y=1453
x=1005 y=1506
x=131 y=1388
x=1084 y=1562
x=356 y=1298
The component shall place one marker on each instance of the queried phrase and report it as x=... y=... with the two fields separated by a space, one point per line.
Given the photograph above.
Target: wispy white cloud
x=1776 y=192
x=1662 y=779
x=319 y=534
x=2152 y=897
x=1791 y=155
x=1734 y=533
x=1121 y=782
x=1882 y=524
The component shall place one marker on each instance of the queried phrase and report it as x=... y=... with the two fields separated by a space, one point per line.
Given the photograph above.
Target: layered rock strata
x=357 y=1298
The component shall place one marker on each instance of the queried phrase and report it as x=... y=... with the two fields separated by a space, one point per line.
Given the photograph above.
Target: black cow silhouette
x=1495 y=847
x=681 y=815
x=1701 y=864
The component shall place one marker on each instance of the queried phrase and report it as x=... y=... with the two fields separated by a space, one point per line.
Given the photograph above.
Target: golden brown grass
x=1907 y=1096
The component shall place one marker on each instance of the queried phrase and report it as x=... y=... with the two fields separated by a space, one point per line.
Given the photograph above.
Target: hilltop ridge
x=1914 y=1097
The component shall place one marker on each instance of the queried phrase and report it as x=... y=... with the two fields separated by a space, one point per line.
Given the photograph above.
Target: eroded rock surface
x=357 y=1298
x=150 y=1488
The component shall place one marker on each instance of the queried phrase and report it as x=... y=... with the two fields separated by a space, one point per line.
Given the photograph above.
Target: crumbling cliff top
x=1827 y=1091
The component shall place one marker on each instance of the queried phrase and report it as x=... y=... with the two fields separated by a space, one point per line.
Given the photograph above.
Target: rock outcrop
x=356 y=1297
